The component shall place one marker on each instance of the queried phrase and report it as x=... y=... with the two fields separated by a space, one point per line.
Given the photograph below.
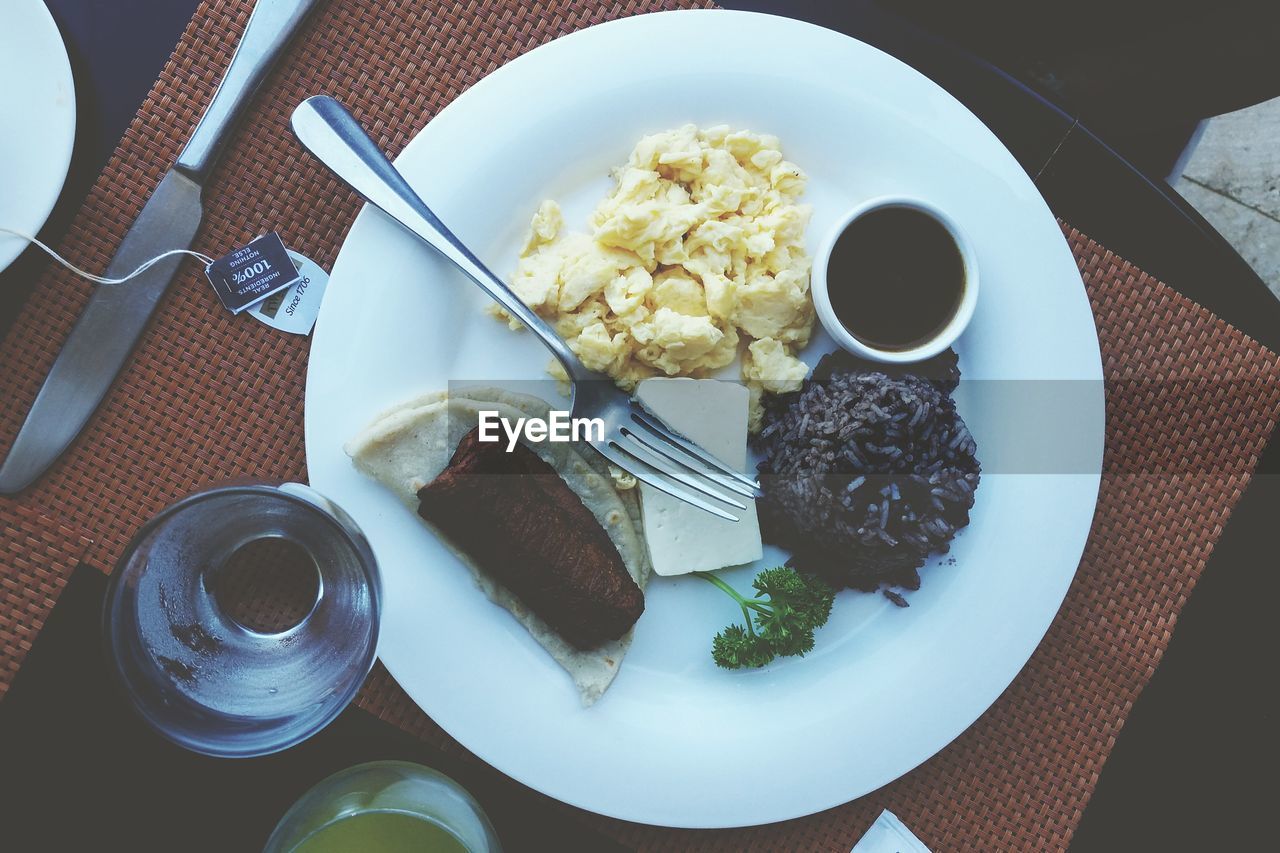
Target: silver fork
x=634 y=440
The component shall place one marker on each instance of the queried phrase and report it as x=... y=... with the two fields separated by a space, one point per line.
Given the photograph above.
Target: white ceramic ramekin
x=934 y=345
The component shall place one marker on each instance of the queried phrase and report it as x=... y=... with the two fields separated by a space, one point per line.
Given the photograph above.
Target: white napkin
x=889 y=835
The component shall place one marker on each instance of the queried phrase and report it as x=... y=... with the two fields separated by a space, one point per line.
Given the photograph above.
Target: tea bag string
x=143 y=267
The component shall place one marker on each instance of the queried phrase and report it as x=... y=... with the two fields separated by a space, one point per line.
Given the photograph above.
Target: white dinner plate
x=37 y=120
x=676 y=741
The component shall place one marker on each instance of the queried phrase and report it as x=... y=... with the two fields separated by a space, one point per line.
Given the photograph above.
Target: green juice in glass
x=380 y=832
x=385 y=807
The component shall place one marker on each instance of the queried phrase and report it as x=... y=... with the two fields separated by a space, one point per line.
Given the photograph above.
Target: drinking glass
x=385 y=807
x=201 y=672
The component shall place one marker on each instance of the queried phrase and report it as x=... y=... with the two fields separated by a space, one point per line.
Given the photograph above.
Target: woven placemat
x=37 y=555
x=208 y=396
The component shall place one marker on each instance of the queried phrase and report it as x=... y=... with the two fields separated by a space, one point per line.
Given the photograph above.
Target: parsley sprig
x=779 y=621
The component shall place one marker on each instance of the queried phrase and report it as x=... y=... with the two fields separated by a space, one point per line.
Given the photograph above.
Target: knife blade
x=103 y=337
x=116 y=316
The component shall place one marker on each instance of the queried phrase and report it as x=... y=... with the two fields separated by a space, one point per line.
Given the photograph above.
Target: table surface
x=1199 y=734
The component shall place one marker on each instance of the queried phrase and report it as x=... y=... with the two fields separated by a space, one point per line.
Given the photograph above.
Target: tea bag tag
x=294 y=309
x=252 y=273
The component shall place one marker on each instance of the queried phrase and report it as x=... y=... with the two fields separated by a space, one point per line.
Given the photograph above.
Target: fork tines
x=672 y=464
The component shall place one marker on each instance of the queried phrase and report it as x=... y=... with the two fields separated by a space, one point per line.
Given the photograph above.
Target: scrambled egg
x=695 y=258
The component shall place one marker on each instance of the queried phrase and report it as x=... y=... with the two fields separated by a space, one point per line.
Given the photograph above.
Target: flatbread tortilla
x=407 y=446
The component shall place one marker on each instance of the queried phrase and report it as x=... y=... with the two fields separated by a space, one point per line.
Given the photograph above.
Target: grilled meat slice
x=524 y=527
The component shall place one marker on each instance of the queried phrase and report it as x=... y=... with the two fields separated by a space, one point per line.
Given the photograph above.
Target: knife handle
x=271 y=24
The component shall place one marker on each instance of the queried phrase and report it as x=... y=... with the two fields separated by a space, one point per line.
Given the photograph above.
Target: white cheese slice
x=683 y=538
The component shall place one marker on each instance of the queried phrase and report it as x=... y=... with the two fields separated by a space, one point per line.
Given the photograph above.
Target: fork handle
x=327 y=130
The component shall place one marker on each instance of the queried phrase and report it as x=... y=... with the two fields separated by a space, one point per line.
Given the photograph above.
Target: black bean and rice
x=867 y=471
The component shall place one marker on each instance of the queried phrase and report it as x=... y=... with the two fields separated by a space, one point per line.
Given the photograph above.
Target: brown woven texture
x=266 y=585
x=209 y=396
x=37 y=556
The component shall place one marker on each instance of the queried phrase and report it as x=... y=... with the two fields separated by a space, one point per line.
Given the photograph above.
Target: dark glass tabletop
x=1182 y=774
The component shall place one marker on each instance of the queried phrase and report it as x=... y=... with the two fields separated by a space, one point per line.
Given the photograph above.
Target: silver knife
x=117 y=315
